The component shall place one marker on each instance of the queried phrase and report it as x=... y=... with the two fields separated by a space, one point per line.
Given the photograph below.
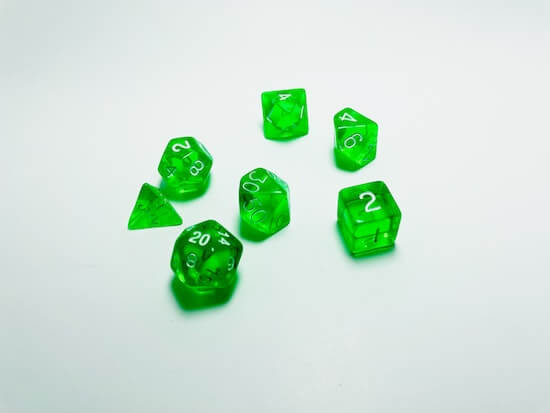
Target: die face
x=264 y=201
x=206 y=256
x=368 y=218
x=356 y=139
x=185 y=167
x=285 y=114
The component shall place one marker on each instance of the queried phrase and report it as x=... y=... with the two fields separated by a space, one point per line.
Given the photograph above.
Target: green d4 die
x=355 y=139
x=152 y=209
x=206 y=256
x=185 y=168
x=263 y=202
x=368 y=218
x=285 y=114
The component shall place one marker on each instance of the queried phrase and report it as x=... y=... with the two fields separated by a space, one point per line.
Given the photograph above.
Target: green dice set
x=206 y=255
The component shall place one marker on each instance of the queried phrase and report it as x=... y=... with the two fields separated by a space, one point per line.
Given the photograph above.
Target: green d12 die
x=368 y=218
x=206 y=256
x=185 y=168
x=285 y=114
x=263 y=202
x=355 y=139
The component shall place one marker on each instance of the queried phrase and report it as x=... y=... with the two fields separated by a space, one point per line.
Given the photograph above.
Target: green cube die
x=355 y=139
x=185 y=168
x=285 y=114
x=206 y=256
x=263 y=202
x=368 y=218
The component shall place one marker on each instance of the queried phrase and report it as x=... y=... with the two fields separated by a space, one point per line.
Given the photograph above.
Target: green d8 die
x=368 y=218
x=285 y=114
x=206 y=256
x=185 y=168
x=355 y=139
x=263 y=201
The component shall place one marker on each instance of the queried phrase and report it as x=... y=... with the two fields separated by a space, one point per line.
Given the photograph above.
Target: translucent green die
x=206 y=256
x=185 y=168
x=263 y=202
x=285 y=114
x=355 y=139
x=368 y=218
x=152 y=209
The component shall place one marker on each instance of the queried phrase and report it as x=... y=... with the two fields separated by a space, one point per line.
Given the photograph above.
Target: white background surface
x=456 y=319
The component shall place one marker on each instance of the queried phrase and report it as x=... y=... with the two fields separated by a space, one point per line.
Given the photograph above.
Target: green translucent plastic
x=263 y=202
x=355 y=139
x=285 y=114
x=368 y=218
x=185 y=168
x=152 y=209
x=206 y=256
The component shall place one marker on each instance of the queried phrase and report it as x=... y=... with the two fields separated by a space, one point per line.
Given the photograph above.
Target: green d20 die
x=355 y=139
x=368 y=218
x=263 y=202
x=285 y=114
x=185 y=168
x=152 y=209
x=206 y=256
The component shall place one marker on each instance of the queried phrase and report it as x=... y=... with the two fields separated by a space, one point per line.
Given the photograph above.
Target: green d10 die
x=368 y=218
x=206 y=256
x=263 y=201
x=355 y=139
x=185 y=168
x=285 y=114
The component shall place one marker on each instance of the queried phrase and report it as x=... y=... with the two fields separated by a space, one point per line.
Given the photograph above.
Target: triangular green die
x=152 y=209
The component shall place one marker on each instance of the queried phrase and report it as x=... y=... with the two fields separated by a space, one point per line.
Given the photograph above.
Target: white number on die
x=199 y=238
x=351 y=141
x=251 y=176
x=222 y=240
x=348 y=117
x=179 y=146
x=369 y=203
x=191 y=260
x=252 y=186
x=196 y=168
